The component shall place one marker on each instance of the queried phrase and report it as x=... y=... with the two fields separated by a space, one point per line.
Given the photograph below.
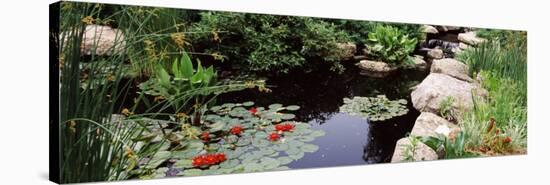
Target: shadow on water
x=349 y=140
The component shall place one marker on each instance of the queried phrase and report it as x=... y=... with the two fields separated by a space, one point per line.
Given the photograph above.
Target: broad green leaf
x=297 y=156
x=192 y=172
x=309 y=148
x=269 y=163
x=186 y=67
x=317 y=133
x=217 y=126
x=184 y=163
x=284 y=160
x=292 y=107
x=158 y=159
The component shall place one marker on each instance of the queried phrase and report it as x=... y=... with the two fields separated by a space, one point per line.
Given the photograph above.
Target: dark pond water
x=349 y=140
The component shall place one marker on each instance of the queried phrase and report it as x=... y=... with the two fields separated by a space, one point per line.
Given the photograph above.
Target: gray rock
x=360 y=57
x=347 y=50
x=470 y=38
x=463 y=46
x=429 y=29
x=427 y=123
x=419 y=62
x=375 y=69
x=422 y=151
x=452 y=68
x=436 y=87
x=102 y=40
x=435 y=53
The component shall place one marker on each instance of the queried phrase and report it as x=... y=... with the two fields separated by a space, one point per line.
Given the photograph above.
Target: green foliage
x=505 y=62
x=446 y=109
x=92 y=141
x=507 y=107
x=506 y=38
x=501 y=67
x=358 y=30
x=410 y=150
x=454 y=148
x=374 y=108
x=391 y=45
x=250 y=151
x=189 y=83
x=270 y=42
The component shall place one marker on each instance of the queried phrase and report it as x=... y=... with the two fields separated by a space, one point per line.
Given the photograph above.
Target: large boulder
x=102 y=40
x=436 y=87
x=419 y=62
x=347 y=50
x=448 y=28
x=470 y=38
x=375 y=69
x=452 y=68
x=422 y=152
x=427 y=123
x=436 y=53
x=464 y=46
x=429 y=29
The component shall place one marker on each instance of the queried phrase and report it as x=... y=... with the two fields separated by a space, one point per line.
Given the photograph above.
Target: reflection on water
x=349 y=140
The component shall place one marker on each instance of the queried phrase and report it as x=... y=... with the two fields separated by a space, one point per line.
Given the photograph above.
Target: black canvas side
x=54 y=154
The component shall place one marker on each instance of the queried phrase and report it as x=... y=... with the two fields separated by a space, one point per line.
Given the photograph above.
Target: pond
x=349 y=140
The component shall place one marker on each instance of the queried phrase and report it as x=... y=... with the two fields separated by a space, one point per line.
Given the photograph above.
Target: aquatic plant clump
x=232 y=138
x=377 y=108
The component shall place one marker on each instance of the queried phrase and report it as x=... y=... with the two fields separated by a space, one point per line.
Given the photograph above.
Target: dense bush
x=390 y=44
x=358 y=30
x=506 y=38
x=269 y=42
x=498 y=125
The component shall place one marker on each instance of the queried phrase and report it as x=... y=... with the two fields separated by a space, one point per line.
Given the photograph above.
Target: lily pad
x=275 y=106
x=292 y=107
x=309 y=148
x=377 y=108
x=158 y=159
x=192 y=172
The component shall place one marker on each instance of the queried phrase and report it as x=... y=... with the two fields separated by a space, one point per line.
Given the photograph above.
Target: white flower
x=443 y=130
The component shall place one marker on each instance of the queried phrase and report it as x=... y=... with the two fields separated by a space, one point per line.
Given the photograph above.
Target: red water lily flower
x=253 y=110
x=236 y=130
x=274 y=137
x=284 y=127
x=205 y=136
x=208 y=159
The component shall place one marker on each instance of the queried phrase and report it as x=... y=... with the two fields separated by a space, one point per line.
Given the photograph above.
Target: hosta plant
x=377 y=108
x=391 y=45
x=234 y=138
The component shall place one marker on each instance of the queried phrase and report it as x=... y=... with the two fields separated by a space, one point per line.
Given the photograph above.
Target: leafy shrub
x=358 y=30
x=506 y=38
x=503 y=115
x=391 y=45
x=269 y=42
x=446 y=110
x=508 y=63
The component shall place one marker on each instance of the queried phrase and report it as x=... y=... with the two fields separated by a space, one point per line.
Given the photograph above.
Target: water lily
x=253 y=110
x=284 y=127
x=443 y=130
x=205 y=136
x=208 y=159
x=236 y=130
x=274 y=137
